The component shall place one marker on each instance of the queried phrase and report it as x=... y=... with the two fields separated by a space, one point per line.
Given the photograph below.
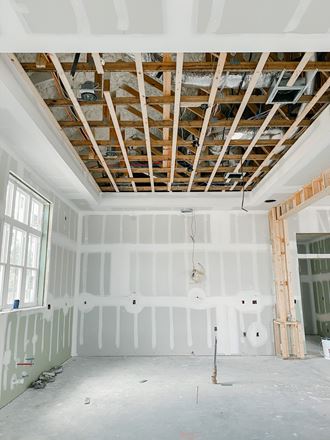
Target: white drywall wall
x=146 y=258
x=42 y=333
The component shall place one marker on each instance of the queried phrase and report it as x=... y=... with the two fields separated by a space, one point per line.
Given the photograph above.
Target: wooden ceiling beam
x=196 y=123
x=66 y=84
x=179 y=169
x=176 y=116
x=143 y=102
x=273 y=110
x=253 y=81
x=183 y=143
x=290 y=131
x=165 y=179
x=208 y=113
x=183 y=157
x=195 y=66
x=163 y=188
x=121 y=141
x=186 y=100
x=112 y=111
x=166 y=109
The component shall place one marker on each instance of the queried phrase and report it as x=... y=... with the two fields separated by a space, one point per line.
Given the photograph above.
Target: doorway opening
x=314 y=274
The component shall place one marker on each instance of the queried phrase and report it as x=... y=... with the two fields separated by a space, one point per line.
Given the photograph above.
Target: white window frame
x=43 y=234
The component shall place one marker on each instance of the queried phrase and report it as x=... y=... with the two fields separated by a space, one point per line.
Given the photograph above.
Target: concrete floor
x=269 y=399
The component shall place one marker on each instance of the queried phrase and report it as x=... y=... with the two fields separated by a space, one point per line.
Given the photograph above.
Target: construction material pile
x=46 y=377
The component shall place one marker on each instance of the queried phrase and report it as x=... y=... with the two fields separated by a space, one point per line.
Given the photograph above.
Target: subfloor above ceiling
x=181 y=122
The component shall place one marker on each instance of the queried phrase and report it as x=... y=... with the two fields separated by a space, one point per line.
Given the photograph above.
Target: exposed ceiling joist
x=75 y=103
x=208 y=113
x=272 y=112
x=177 y=96
x=197 y=66
x=290 y=132
x=143 y=102
x=186 y=100
x=261 y=63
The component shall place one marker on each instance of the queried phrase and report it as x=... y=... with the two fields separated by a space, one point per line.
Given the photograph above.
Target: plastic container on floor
x=326 y=348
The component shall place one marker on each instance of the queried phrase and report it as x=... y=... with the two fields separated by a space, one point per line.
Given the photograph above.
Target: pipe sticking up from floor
x=214 y=373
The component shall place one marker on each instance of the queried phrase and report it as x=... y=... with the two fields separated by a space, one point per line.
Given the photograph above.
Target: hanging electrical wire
x=243 y=189
x=198 y=271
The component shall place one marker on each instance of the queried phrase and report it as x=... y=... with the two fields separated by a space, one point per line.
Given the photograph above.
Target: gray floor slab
x=269 y=399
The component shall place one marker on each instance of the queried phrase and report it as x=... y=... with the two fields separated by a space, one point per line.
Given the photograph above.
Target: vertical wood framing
x=287 y=330
x=143 y=102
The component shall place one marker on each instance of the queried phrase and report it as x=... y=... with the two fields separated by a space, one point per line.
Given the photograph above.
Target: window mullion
x=7 y=266
x=23 y=286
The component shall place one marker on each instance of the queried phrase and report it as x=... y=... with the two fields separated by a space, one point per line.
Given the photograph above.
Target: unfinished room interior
x=164 y=219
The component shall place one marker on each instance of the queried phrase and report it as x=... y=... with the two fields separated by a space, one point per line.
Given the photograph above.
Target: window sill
x=22 y=309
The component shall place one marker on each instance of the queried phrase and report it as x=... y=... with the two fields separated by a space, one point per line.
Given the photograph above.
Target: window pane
x=31 y=286
x=5 y=243
x=14 y=286
x=9 y=199
x=2 y=274
x=33 y=251
x=21 y=206
x=17 y=251
x=37 y=210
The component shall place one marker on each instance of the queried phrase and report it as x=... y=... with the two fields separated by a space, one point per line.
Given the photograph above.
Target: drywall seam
x=74 y=341
x=199 y=247
x=171 y=212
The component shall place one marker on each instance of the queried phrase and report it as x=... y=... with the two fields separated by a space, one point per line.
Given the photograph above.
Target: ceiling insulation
x=244 y=135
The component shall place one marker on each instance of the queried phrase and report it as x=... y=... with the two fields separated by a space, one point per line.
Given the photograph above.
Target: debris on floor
x=144 y=380
x=87 y=401
x=46 y=377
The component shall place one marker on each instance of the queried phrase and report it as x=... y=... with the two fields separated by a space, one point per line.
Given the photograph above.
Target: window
x=23 y=254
